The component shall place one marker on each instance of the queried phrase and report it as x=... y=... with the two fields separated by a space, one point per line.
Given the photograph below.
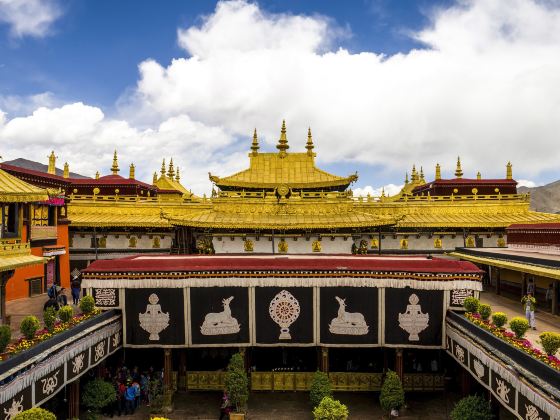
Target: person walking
x=76 y=288
x=130 y=397
x=225 y=408
x=529 y=303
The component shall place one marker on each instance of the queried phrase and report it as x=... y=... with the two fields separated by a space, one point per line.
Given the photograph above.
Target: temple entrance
x=283 y=359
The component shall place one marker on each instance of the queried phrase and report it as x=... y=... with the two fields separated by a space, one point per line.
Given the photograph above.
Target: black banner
x=49 y=384
x=460 y=353
x=77 y=365
x=503 y=390
x=479 y=370
x=349 y=315
x=155 y=317
x=284 y=315
x=528 y=410
x=413 y=317
x=106 y=297
x=457 y=297
x=18 y=403
x=219 y=315
x=98 y=351
x=115 y=341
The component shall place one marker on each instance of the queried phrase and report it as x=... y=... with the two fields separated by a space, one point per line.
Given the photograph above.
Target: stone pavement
x=544 y=320
x=296 y=406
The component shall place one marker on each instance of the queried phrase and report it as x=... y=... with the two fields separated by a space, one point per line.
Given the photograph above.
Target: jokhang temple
x=281 y=263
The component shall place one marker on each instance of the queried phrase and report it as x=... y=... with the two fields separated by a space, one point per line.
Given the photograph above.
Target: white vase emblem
x=284 y=310
x=413 y=321
x=348 y=323
x=218 y=323
x=154 y=320
x=478 y=368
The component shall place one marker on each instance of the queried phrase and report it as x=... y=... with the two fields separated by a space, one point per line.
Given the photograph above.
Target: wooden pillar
x=74 y=399
x=465 y=382
x=182 y=379
x=167 y=369
x=555 y=291
x=523 y=284
x=4 y=277
x=498 y=274
x=399 y=368
x=324 y=359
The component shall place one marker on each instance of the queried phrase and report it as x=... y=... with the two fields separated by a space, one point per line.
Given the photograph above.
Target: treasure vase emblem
x=284 y=309
x=348 y=323
x=154 y=320
x=218 y=323
x=413 y=321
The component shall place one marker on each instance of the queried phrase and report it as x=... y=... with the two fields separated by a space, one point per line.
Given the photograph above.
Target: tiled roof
x=14 y=190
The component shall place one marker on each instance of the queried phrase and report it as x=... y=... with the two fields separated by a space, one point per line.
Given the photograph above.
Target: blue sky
x=384 y=84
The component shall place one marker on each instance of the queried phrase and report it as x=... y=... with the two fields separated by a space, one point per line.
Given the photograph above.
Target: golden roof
x=99 y=214
x=15 y=255
x=14 y=190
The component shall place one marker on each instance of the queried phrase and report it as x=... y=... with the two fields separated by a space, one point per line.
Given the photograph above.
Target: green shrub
x=5 y=337
x=499 y=319
x=472 y=408
x=550 y=342
x=65 y=313
x=519 y=326
x=392 y=393
x=98 y=394
x=471 y=304
x=49 y=318
x=87 y=304
x=484 y=310
x=29 y=326
x=320 y=388
x=237 y=382
x=330 y=409
x=35 y=414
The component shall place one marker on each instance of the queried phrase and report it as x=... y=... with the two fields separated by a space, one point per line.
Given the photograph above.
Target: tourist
x=225 y=408
x=529 y=303
x=130 y=397
x=52 y=302
x=121 y=400
x=76 y=288
x=136 y=387
x=531 y=287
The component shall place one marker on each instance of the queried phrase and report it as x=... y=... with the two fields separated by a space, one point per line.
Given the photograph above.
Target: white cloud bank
x=486 y=86
x=29 y=17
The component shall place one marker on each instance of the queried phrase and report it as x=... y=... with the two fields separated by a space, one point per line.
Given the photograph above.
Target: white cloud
x=389 y=190
x=527 y=183
x=29 y=17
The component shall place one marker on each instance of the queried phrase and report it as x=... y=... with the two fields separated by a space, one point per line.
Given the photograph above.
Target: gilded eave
x=14 y=190
x=17 y=255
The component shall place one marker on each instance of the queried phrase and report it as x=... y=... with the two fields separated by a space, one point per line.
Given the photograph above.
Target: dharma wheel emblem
x=413 y=321
x=284 y=309
x=154 y=320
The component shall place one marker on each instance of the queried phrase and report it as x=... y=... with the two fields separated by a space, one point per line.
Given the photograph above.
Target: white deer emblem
x=218 y=323
x=348 y=323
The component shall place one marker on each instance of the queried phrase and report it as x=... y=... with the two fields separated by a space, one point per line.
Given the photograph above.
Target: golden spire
x=309 y=145
x=255 y=144
x=163 y=167
x=115 y=166
x=52 y=164
x=154 y=180
x=422 y=175
x=382 y=191
x=131 y=171
x=97 y=175
x=458 y=170
x=509 y=172
x=478 y=176
x=283 y=142
x=438 y=171
x=66 y=170
x=406 y=178
x=414 y=174
x=171 y=171
x=177 y=177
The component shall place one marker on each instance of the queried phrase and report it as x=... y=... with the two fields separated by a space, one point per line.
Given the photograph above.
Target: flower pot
x=236 y=416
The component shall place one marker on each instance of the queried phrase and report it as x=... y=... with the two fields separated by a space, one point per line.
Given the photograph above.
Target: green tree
x=49 y=318
x=237 y=382
x=87 y=304
x=29 y=326
x=472 y=407
x=330 y=409
x=392 y=392
x=519 y=326
x=35 y=414
x=98 y=394
x=5 y=337
x=471 y=304
x=484 y=310
x=499 y=319
x=320 y=388
x=550 y=342
x=65 y=313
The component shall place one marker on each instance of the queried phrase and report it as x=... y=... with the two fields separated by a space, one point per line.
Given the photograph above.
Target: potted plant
x=550 y=342
x=484 y=310
x=237 y=386
x=472 y=407
x=49 y=318
x=330 y=409
x=65 y=313
x=98 y=394
x=471 y=304
x=35 y=414
x=320 y=388
x=29 y=326
x=519 y=326
x=5 y=337
x=499 y=319
x=87 y=304
x=392 y=394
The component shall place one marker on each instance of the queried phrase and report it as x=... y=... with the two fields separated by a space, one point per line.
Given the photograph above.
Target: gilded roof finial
x=422 y=175
x=382 y=191
x=309 y=145
x=132 y=171
x=171 y=171
x=255 y=144
x=163 y=167
x=458 y=170
x=406 y=178
x=96 y=174
x=177 y=177
x=509 y=172
x=414 y=174
x=66 y=173
x=154 y=179
x=438 y=171
x=52 y=164
x=478 y=176
x=115 y=166
x=282 y=145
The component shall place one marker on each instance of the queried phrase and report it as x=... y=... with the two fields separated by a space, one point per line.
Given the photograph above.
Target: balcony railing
x=14 y=248
x=39 y=233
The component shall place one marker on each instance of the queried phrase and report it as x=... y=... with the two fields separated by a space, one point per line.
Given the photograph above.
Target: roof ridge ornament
x=438 y=171
x=458 y=170
x=178 y=176
x=52 y=164
x=162 y=171
x=309 y=145
x=115 y=166
x=171 y=171
x=282 y=145
x=509 y=172
x=66 y=173
x=131 y=172
x=255 y=144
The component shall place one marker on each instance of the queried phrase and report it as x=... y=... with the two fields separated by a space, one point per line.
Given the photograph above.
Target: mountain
x=545 y=198
x=36 y=166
